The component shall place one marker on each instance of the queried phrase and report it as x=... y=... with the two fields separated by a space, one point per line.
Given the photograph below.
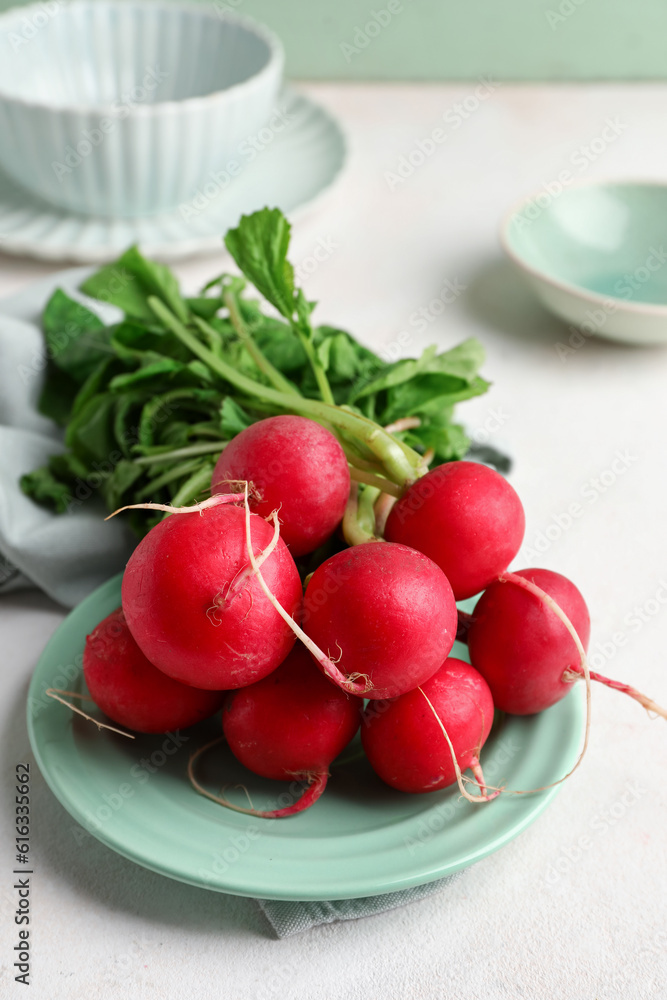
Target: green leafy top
x=149 y=402
x=130 y=280
x=259 y=246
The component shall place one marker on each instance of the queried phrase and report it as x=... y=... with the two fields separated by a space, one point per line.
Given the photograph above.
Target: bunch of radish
x=234 y=604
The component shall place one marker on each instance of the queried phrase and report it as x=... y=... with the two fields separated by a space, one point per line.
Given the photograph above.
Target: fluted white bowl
x=128 y=107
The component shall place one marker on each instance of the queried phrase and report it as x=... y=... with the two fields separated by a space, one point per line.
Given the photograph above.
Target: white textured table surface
x=577 y=906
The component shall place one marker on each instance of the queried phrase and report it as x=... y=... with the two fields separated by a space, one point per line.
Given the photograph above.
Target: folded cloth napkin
x=294 y=918
x=69 y=555
x=65 y=555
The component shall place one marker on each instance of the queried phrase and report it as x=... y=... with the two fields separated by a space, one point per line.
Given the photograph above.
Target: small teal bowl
x=126 y=107
x=595 y=254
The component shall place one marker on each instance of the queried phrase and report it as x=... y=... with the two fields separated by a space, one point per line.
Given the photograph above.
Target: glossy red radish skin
x=196 y=609
x=296 y=467
x=383 y=611
x=134 y=693
x=521 y=647
x=464 y=516
x=404 y=743
x=291 y=724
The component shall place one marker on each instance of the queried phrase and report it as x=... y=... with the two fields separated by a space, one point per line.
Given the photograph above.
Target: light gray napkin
x=66 y=555
x=294 y=918
x=69 y=555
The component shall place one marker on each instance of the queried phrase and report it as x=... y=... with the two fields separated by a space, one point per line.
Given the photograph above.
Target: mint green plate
x=360 y=839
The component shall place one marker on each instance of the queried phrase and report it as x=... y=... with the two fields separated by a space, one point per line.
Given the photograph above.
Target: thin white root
x=475 y=799
x=55 y=693
x=532 y=588
x=213 y=501
x=245 y=792
x=536 y=591
x=476 y=769
x=194 y=757
x=316 y=785
x=265 y=553
x=404 y=424
x=356 y=687
x=243 y=576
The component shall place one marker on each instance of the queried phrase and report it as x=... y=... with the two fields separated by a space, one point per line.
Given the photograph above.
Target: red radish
x=521 y=647
x=404 y=741
x=464 y=516
x=134 y=693
x=298 y=468
x=382 y=612
x=194 y=605
x=518 y=640
x=292 y=724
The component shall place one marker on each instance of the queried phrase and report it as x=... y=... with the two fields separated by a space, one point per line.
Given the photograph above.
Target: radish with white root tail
x=412 y=742
x=294 y=466
x=290 y=725
x=134 y=693
x=519 y=642
x=466 y=517
x=193 y=602
x=380 y=619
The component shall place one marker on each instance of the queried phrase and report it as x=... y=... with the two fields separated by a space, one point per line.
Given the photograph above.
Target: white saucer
x=292 y=169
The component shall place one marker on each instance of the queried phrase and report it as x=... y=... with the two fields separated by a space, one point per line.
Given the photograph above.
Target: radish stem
x=177 y=472
x=214 y=448
x=262 y=362
x=383 y=506
x=356 y=527
x=366 y=512
x=197 y=482
x=360 y=476
x=355 y=459
x=401 y=462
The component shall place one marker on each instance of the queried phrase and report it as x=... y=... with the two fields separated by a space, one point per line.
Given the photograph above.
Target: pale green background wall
x=459 y=39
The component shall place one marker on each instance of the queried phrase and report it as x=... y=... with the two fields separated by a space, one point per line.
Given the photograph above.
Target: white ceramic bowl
x=595 y=254
x=126 y=108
